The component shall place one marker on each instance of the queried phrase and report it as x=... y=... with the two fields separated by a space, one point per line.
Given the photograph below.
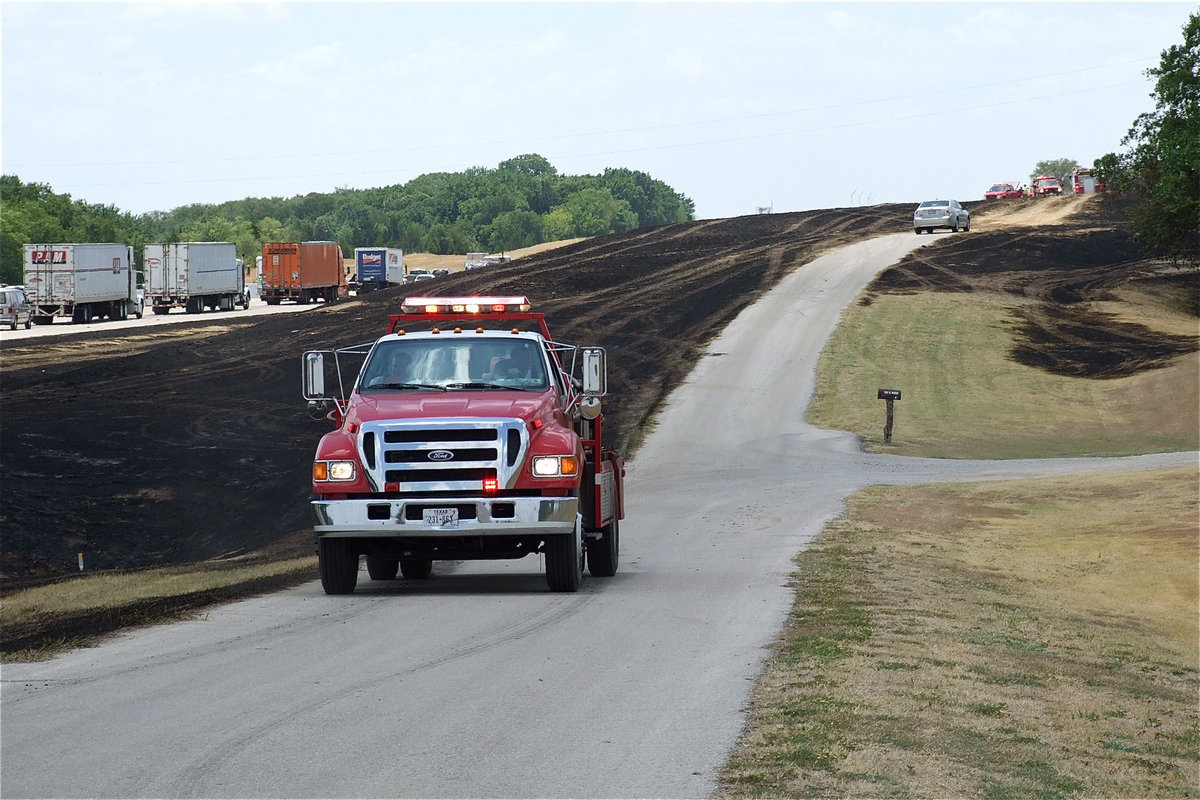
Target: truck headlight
x=333 y=471
x=555 y=466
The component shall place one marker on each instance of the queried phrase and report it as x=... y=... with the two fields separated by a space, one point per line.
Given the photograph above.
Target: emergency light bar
x=464 y=305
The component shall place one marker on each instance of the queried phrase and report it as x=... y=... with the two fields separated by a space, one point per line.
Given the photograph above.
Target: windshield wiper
x=408 y=386
x=482 y=385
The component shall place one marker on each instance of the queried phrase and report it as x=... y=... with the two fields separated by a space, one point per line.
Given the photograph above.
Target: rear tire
x=416 y=569
x=564 y=562
x=338 y=563
x=382 y=568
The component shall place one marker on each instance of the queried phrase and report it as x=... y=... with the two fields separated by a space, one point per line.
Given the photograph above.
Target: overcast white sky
x=794 y=105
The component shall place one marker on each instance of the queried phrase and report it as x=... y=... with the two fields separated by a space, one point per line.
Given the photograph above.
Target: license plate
x=440 y=517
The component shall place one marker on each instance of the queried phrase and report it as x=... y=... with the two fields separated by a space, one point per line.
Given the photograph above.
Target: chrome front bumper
x=499 y=516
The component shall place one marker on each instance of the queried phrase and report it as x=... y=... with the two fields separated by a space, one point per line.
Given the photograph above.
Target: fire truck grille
x=442 y=455
x=420 y=457
x=411 y=476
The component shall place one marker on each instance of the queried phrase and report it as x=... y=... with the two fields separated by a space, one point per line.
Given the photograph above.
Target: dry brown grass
x=1042 y=212
x=1014 y=639
x=964 y=397
x=40 y=622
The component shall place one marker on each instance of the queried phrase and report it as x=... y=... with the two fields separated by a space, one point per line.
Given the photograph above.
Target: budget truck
x=303 y=272
x=194 y=276
x=378 y=267
x=464 y=432
x=81 y=282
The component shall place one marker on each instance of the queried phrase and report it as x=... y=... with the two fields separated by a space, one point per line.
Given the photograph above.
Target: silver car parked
x=15 y=309
x=941 y=214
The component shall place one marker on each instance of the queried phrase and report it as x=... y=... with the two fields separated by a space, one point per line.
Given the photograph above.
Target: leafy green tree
x=1161 y=168
x=595 y=212
x=513 y=230
x=558 y=224
x=654 y=202
x=269 y=229
x=410 y=237
x=1058 y=167
x=445 y=239
x=530 y=164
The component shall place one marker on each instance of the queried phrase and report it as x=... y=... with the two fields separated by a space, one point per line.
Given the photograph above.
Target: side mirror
x=313 y=376
x=595 y=372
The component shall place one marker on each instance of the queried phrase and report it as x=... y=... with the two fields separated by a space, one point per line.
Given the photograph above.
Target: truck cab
x=461 y=441
x=1045 y=185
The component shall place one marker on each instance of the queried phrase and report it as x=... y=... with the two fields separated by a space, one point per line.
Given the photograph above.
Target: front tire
x=338 y=563
x=602 y=553
x=564 y=561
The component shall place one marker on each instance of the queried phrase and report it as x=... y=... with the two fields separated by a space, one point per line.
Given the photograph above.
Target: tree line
x=1159 y=170
x=522 y=202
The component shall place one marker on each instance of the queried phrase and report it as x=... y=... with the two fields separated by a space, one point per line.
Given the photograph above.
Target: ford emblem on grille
x=441 y=455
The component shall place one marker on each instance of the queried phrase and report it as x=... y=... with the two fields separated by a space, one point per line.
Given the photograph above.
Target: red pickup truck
x=1002 y=191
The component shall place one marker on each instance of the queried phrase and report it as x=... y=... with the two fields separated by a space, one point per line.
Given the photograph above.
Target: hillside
x=145 y=448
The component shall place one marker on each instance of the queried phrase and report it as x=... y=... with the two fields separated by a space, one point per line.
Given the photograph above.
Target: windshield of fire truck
x=446 y=363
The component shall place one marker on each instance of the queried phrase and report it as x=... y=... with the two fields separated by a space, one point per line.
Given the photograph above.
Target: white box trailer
x=81 y=282
x=194 y=276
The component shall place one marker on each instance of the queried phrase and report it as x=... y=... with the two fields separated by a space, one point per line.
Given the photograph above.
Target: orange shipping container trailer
x=303 y=272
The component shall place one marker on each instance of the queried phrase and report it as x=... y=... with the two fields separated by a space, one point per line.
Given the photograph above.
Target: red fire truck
x=466 y=432
x=1046 y=185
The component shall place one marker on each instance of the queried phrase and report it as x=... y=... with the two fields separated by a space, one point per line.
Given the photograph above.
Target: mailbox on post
x=891 y=395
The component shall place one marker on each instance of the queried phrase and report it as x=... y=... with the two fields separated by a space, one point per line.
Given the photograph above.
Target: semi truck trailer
x=194 y=276
x=81 y=282
x=303 y=272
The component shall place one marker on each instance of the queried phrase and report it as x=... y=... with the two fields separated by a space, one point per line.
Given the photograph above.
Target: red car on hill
x=1002 y=191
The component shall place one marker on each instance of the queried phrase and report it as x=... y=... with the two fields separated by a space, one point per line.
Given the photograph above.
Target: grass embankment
x=1012 y=639
x=40 y=622
x=964 y=398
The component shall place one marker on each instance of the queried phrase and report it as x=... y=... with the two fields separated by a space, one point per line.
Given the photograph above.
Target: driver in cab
x=397 y=370
x=519 y=364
